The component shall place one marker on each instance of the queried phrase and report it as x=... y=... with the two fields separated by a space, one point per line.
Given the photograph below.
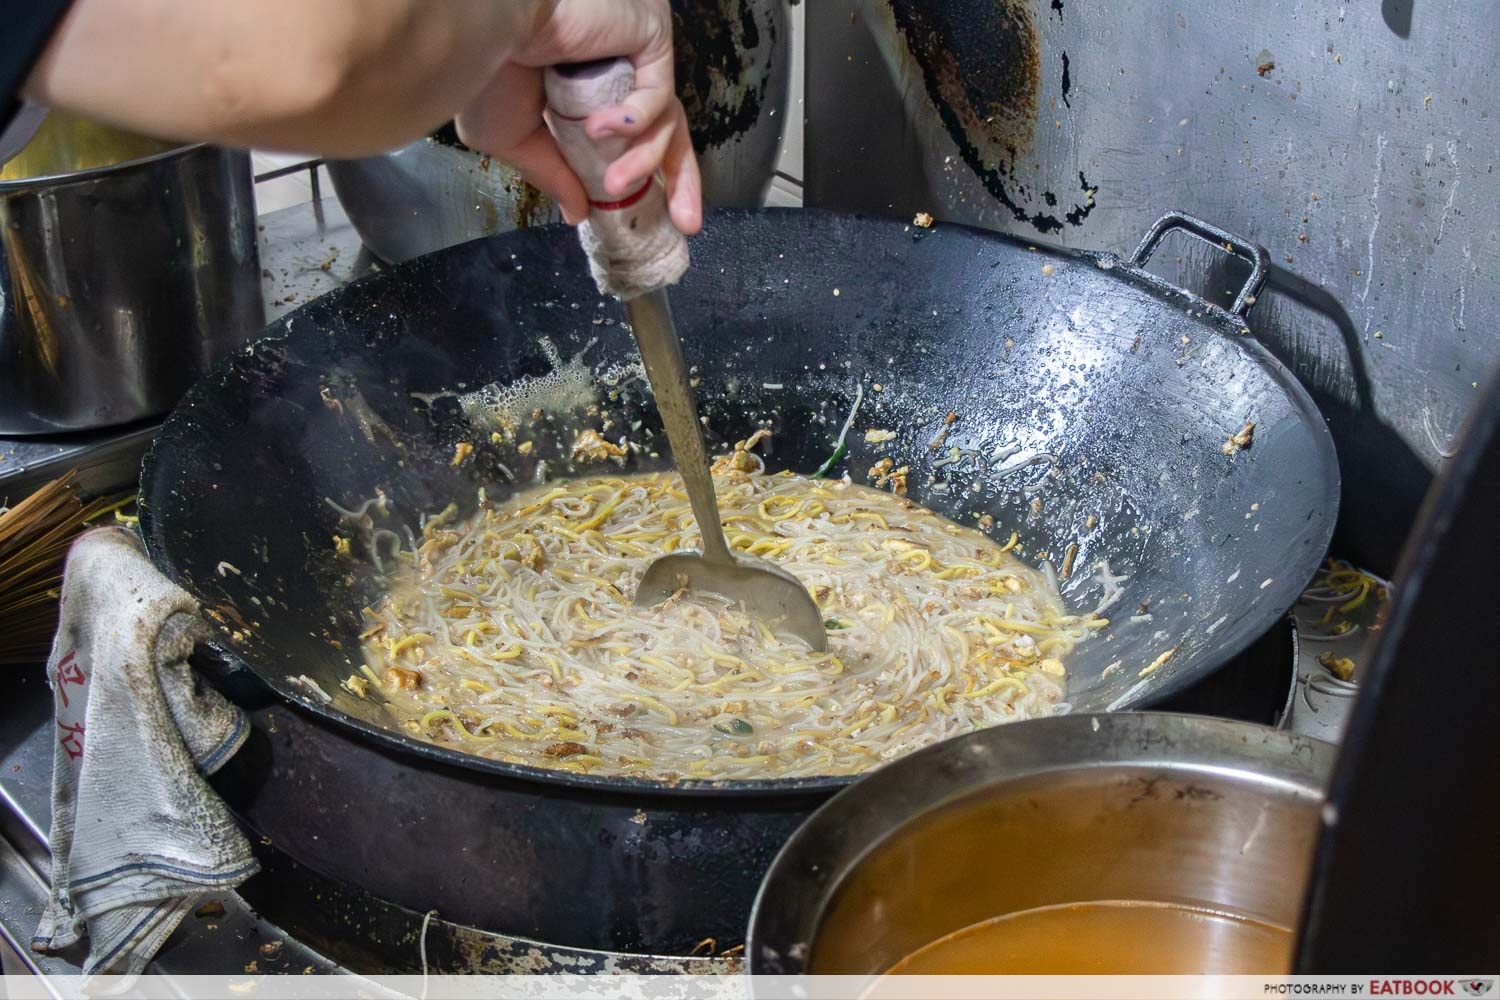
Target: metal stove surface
x=1331 y=626
x=287 y=919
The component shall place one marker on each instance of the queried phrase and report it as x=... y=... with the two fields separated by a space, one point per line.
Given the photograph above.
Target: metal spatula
x=634 y=252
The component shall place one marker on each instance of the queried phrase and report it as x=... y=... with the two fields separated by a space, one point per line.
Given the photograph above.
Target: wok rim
x=1225 y=323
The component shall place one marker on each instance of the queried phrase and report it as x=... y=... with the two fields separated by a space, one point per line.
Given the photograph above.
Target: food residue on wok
x=1243 y=438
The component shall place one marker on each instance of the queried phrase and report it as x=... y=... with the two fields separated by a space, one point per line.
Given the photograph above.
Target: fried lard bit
x=740 y=460
x=590 y=446
x=1244 y=439
x=399 y=677
x=1340 y=666
x=885 y=472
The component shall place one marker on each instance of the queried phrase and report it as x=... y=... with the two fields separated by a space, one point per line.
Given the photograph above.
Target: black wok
x=1099 y=397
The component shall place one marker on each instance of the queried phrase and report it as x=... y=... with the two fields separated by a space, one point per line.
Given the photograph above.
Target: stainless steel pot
x=733 y=69
x=431 y=194
x=128 y=267
x=1131 y=806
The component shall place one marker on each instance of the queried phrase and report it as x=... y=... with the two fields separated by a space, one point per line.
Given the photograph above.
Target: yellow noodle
x=935 y=630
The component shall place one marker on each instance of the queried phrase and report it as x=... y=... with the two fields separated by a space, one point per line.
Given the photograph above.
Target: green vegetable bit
x=833 y=623
x=735 y=727
x=833 y=460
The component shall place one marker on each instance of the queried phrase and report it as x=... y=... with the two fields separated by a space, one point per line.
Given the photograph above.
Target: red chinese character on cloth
x=72 y=742
x=68 y=672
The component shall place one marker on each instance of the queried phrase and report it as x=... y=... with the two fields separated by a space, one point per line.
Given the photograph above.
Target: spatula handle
x=632 y=246
x=656 y=336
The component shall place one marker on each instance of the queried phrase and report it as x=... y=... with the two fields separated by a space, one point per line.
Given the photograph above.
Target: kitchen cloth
x=137 y=833
x=632 y=246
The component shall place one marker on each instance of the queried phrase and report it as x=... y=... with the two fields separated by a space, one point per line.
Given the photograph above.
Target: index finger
x=653 y=95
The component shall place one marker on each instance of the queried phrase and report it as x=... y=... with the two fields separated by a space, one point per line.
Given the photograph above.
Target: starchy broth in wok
x=513 y=635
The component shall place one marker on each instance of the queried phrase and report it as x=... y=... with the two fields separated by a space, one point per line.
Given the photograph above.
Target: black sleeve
x=25 y=29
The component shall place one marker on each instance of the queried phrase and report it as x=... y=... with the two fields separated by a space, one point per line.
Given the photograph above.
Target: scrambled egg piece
x=590 y=446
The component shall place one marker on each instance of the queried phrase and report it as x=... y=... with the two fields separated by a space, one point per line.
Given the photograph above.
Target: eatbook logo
x=1478 y=987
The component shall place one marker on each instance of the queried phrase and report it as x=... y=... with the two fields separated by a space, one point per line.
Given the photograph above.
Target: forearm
x=280 y=73
x=352 y=77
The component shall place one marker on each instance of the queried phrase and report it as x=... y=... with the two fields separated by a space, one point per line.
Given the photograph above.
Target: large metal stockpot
x=128 y=266
x=1151 y=807
x=431 y=194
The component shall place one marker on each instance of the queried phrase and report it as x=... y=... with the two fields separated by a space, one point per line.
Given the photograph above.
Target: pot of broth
x=1136 y=843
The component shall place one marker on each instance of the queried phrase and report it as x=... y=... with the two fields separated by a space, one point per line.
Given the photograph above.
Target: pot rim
x=18 y=184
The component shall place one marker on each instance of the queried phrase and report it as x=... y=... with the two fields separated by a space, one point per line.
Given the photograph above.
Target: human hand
x=505 y=119
x=348 y=78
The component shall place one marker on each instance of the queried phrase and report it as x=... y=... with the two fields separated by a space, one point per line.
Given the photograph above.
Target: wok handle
x=1252 y=253
x=632 y=246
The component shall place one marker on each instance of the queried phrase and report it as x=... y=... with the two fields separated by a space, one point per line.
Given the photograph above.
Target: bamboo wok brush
x=34 y=539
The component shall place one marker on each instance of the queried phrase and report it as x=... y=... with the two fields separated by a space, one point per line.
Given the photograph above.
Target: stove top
x=290 y=919
x=224 y=935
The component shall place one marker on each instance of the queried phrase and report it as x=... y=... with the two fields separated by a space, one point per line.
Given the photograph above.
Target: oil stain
x=531 y=206
x=501 y=188
x=713 y=41
x=981 y=66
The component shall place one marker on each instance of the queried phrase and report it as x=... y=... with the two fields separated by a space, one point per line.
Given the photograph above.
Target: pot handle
x=1252 y=253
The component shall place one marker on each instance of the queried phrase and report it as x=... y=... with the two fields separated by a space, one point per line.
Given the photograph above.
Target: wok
x=1131 y=384
x=1099 y=398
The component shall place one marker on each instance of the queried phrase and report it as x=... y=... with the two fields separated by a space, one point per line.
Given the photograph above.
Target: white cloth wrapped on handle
x=632 y=246
x=137 y=833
